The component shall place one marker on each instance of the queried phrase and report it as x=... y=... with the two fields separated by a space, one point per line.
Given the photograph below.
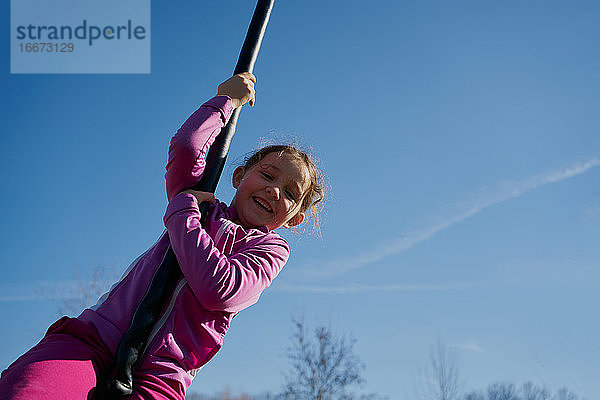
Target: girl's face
x=270 y=192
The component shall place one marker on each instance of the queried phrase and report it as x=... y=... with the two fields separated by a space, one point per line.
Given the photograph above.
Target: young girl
x=226 y=264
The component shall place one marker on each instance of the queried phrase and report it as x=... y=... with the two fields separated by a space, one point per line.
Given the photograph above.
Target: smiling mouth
x=262 y=204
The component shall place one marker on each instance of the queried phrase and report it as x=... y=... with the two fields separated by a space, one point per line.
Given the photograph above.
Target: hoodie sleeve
x=221 y=283
x=191 y=142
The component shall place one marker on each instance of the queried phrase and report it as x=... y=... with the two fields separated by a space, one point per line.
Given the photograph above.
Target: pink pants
x=66 y=365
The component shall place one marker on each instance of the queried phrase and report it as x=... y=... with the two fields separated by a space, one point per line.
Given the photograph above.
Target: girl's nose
x=273 y=191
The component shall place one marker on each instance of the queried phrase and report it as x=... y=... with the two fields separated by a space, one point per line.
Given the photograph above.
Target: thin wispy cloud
x=352 y=288
x=36 y=291
x=44 y=290
x=470 y=346
x=487 y=197
x=11 y=299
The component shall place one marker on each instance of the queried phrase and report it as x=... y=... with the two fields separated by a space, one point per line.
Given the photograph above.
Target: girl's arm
x=191 y=142
x=221 y=283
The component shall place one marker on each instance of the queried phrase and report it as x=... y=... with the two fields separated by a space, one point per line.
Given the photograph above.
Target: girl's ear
x=295 y=220
x=238 y=174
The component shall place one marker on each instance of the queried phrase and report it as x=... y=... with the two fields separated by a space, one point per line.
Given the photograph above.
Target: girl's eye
x=269 y=177
x=290 y=195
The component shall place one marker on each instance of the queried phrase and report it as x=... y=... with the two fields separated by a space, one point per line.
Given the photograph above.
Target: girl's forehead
x=294 y=170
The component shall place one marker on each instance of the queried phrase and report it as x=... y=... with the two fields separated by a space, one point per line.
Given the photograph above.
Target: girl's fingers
x=202 y=196
x=208 y=197
x=240 y=88
x=249 y=75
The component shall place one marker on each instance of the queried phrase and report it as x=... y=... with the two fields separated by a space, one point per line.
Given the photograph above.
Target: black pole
x=217 y=154
x=133 y=343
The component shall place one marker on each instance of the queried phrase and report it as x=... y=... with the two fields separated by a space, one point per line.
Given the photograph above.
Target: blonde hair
x=314 y=196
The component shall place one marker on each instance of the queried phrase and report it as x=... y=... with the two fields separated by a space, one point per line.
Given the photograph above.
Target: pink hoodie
x=225 y=266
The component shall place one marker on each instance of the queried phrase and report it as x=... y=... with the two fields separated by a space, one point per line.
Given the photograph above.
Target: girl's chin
x=250 y=222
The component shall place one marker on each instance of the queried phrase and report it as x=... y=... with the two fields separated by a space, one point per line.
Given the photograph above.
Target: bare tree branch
x=83 y=291
x=531 y=391
x=440 y=379
x=323 y=366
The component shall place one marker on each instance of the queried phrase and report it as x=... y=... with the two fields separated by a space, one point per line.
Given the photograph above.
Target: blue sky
x=460 y=140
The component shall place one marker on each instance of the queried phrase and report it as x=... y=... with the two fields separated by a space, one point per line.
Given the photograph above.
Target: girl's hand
x=240 y=88
x=202 y=196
